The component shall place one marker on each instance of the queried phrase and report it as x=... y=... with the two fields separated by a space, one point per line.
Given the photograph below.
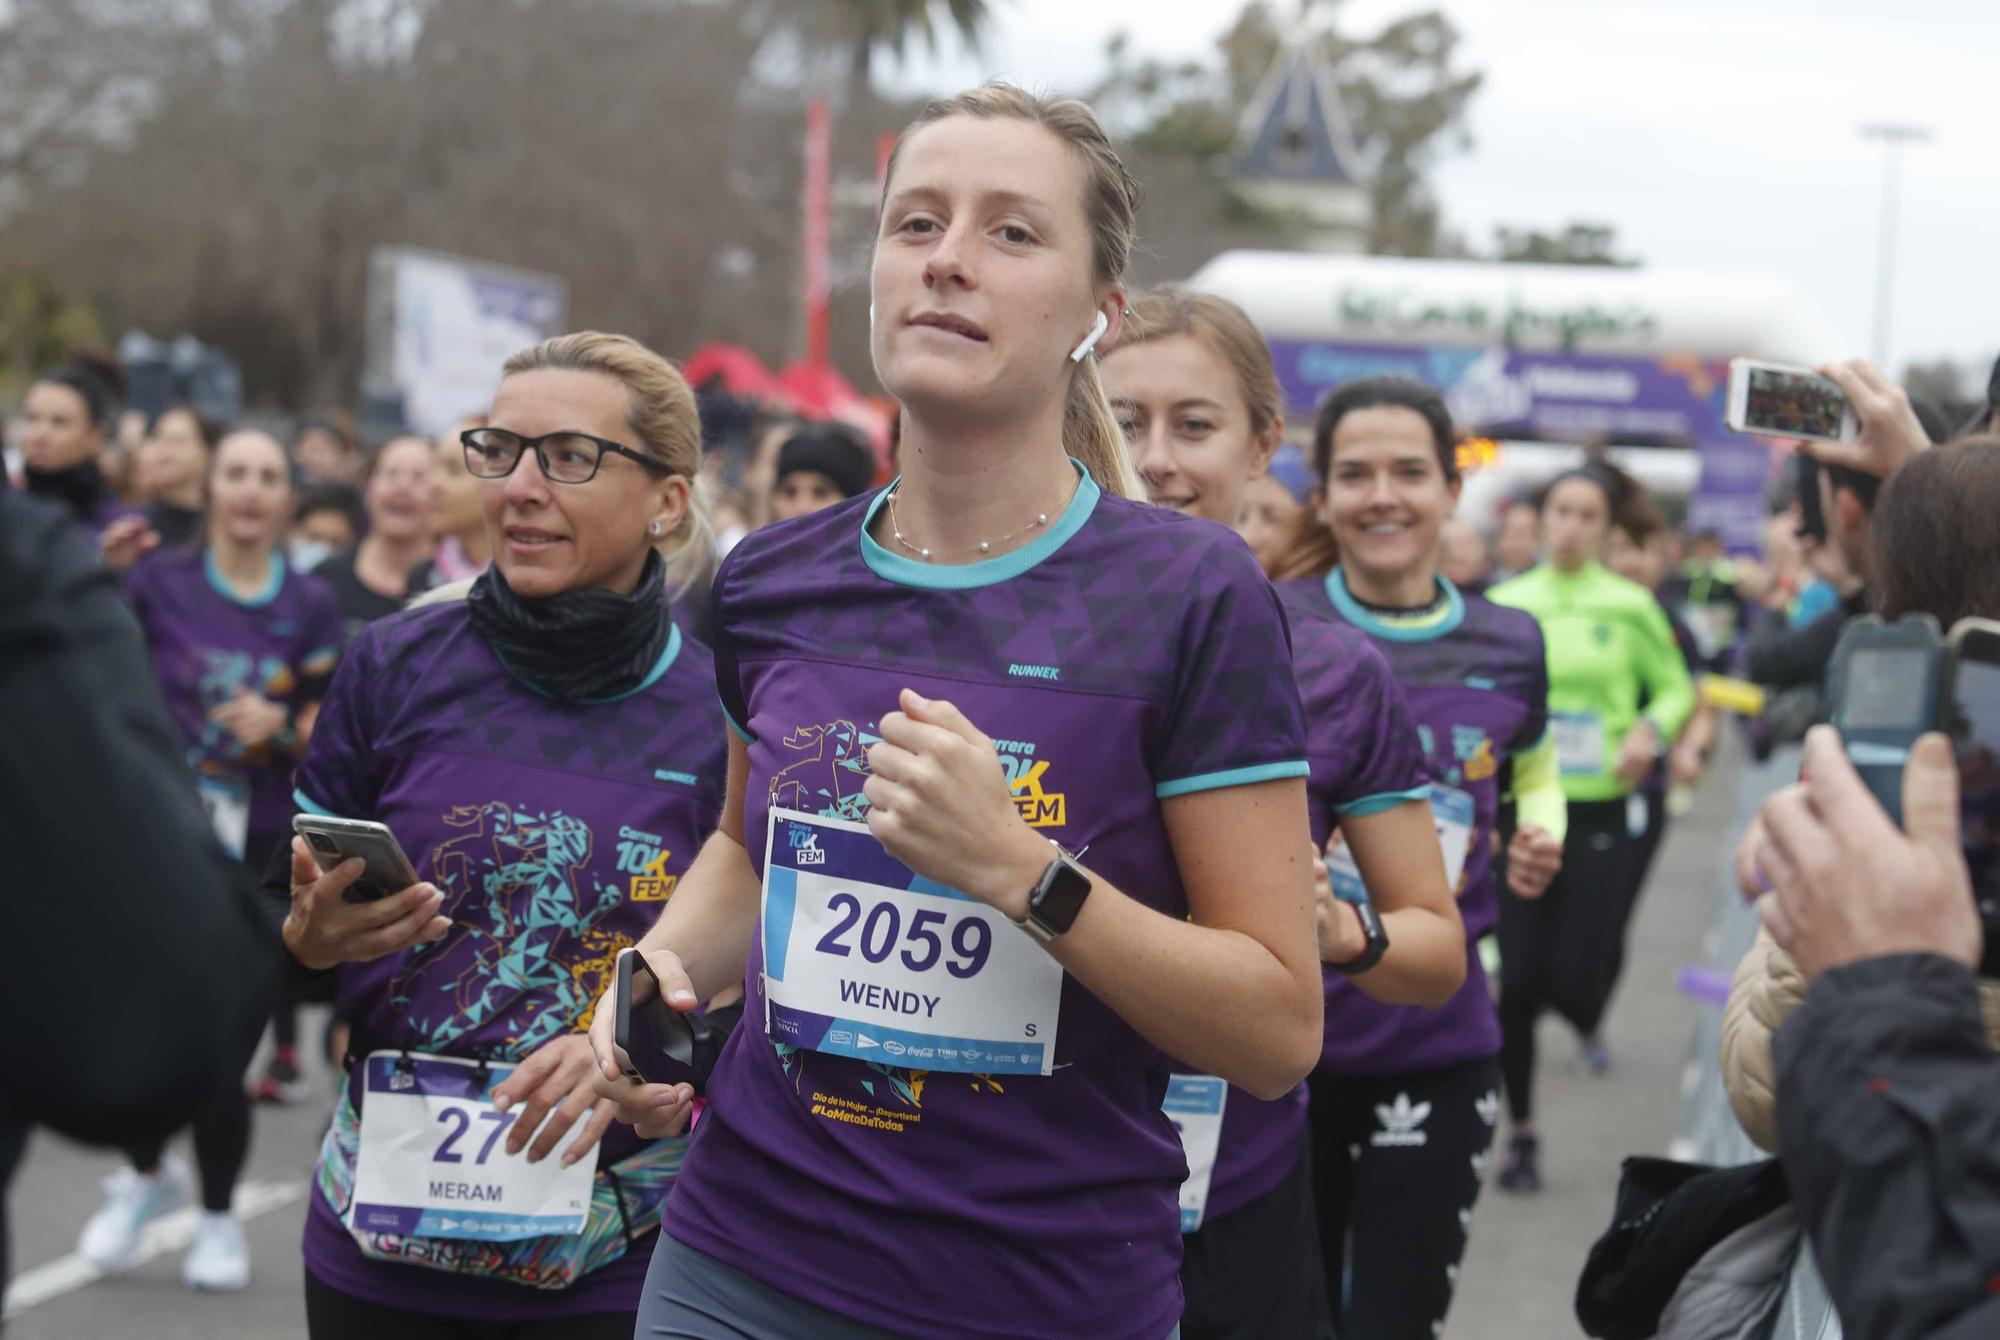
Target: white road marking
x=168 y=1234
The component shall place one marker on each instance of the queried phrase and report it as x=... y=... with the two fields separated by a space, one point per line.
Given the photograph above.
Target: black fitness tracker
x=1378 y=941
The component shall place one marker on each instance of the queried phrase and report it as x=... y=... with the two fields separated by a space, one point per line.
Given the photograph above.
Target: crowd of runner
x=1227 y=809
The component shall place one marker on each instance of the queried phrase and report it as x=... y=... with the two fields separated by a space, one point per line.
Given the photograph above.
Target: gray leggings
x=692 y=1296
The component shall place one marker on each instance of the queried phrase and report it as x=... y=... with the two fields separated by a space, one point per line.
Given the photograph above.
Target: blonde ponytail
x=1091 y=434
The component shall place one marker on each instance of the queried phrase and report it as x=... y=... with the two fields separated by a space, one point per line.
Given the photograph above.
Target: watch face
x=1060 y=897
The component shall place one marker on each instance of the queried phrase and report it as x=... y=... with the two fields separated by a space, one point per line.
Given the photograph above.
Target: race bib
x=227 y=801
x=1194 y=1104
x=434 y=1161
x=865 y=958
x=1579 y=743
x=1452 y=811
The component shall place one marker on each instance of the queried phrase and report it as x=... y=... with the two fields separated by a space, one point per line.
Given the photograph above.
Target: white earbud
x=1097 y=329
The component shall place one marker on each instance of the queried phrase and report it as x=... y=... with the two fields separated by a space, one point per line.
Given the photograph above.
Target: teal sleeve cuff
x=1380 y=801
x=735 y=729
x=1215 y=781
x=310 y=806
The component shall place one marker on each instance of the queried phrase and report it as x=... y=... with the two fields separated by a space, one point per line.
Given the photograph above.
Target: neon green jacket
x=1608 y=641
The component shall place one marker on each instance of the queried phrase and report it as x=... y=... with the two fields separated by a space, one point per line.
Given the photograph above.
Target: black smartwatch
x=1378 y=941
x=1057 y=898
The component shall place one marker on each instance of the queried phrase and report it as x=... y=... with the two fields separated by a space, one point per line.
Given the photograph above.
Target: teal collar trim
x=987 y=571
x=272 y=584
x=660 y=668
x=1351 y=610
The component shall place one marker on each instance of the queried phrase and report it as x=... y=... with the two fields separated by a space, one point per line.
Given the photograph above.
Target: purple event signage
x=1675 y=400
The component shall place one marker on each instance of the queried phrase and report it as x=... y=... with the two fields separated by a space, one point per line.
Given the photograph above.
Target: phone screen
x=1880 y=691
x=1782 y=403
x=1976 y=716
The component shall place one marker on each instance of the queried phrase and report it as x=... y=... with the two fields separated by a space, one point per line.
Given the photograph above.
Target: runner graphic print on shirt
x=534 y=959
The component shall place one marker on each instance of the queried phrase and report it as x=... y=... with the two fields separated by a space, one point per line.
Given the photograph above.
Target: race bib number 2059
x=866 y=959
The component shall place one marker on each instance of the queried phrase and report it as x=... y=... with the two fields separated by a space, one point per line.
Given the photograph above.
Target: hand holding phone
x=1887 y=429
x=330 y=924
x=655 y=1045
x=386 y=870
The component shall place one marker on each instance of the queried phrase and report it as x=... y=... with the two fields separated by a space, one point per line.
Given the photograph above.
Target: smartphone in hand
x=1885 y=686
x=656 y=1044
x=1774 y=400
x=332 y=841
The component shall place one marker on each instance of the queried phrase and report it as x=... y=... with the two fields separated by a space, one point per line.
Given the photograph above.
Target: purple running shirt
x=1477 y=684
x=209 y=644
x=557 y=831
x=1127 y=655
x=1364 y=755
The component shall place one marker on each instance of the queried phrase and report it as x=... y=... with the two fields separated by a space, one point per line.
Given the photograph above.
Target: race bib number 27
x=434 y=1160
x=866 y=959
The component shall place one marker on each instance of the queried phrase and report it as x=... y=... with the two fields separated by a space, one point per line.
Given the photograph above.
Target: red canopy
x=742 y=373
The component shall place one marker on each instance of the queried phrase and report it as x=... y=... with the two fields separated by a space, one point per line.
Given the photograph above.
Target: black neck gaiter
x=579 y=646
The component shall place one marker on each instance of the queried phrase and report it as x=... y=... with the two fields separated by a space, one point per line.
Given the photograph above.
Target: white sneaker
x=110 y=1241
x=218 y=1261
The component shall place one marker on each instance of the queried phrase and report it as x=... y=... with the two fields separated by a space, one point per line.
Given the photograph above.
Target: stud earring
x=653 y=529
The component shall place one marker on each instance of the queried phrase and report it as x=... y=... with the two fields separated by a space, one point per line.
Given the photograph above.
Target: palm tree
x=863 y=27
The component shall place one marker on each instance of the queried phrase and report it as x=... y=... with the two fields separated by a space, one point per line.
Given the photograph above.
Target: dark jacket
x=1782 y=657
x=135 y=973
x=1889 y=1130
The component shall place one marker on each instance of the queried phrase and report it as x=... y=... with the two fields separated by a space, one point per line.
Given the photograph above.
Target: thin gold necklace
x=985 y=546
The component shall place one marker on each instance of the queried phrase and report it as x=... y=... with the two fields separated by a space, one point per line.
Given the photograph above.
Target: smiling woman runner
x=549 y=753
x=1405 y=1101
x=954 y=1127
x=1193 y=385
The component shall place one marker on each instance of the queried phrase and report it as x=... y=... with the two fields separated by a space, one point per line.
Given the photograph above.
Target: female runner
x=999 y=653
x=1405 y=1102
x=242 y=646
x=1608 y=646
x=1194 y=387
x=549 y=754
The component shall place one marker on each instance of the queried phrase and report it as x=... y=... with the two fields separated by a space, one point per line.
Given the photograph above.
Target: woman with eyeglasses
x=548 y=751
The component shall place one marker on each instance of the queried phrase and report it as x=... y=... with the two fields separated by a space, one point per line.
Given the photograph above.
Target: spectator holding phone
x=549 y=752
x=1887 y=1080
x=1938 y=553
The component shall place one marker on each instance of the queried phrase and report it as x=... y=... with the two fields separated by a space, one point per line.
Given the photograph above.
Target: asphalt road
x=1518 y=1279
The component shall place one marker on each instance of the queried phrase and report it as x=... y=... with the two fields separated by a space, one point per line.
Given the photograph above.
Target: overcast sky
x=1713 y=138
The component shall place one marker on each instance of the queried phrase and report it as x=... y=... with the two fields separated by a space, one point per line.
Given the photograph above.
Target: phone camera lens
x=321 y=842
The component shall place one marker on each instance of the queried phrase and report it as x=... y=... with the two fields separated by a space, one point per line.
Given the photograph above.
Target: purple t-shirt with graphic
x=1477 y=684
x=1127 y=654
x=556 y=831
x=210 y=644
x=1363 y=750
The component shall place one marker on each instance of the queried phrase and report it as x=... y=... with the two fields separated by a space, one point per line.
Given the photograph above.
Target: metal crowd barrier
x=1708 y=1132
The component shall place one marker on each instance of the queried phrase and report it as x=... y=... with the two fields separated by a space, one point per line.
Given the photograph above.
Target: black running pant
x=1397 y=1166
x=1564 y=950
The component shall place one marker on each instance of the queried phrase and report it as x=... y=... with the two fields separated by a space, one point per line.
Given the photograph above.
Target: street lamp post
x=1893 y=138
